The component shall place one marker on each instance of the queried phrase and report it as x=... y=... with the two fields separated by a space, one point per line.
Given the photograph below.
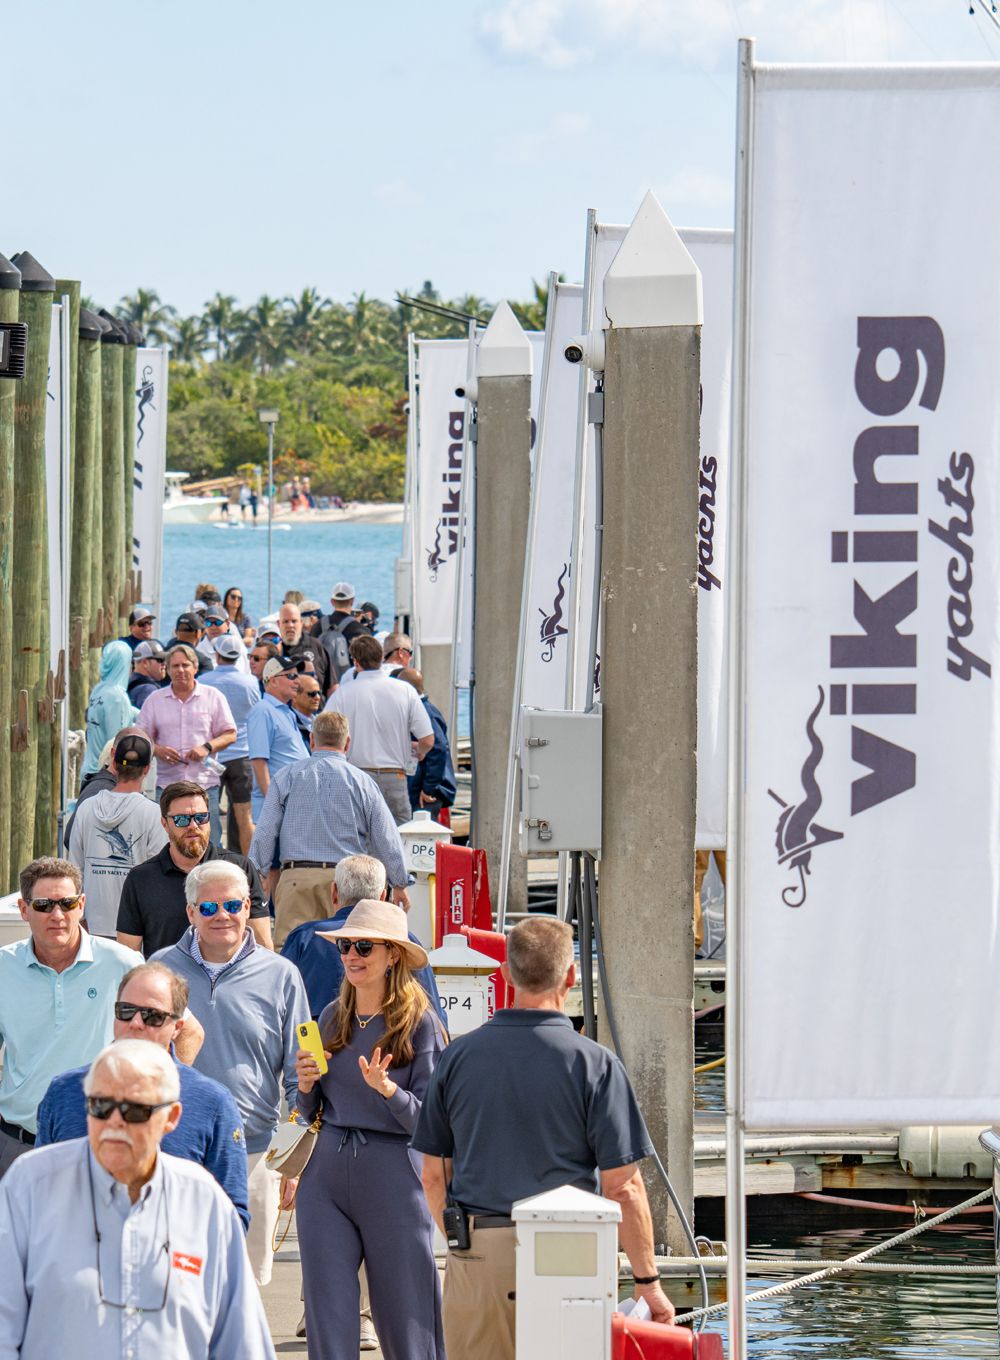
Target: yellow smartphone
x=309 y=1040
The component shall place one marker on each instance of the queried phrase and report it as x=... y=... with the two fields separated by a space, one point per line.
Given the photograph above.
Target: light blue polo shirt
x=50 y=1022
x=272 y=735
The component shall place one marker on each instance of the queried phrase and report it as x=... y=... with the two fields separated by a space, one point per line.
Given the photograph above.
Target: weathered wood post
x=649 y=602
x=10 y=283
x=30 y=559
x=85 y=533
x=503 y=486
x=112 y=443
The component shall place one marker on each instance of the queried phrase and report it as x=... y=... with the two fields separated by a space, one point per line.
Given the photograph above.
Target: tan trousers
x=700 y=870
x=263 y=1187
x=478 y=1315
x=301 y=895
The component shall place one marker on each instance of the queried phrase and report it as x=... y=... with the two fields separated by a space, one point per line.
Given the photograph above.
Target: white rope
x=716 y=1266
x=775 y=1290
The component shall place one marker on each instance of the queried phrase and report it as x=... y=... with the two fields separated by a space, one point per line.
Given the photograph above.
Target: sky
x=203 y=146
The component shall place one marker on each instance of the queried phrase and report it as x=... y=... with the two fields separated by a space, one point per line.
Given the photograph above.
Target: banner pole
x=416 y=541
x=736 y=1236
x=464 y=504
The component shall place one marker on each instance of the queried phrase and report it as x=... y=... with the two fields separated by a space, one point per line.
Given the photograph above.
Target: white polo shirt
x=384 y=716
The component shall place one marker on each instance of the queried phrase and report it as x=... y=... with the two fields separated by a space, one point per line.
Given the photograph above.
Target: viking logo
x=435 y=556
x=552 y=626
x=798 y=833
x=146 y=391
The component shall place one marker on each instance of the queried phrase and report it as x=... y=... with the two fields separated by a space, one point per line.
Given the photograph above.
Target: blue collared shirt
x=324 y=809
x=50 y=1021
x=272 y=735
x=181 y=1235
x=210 y=1132
x=322 y=971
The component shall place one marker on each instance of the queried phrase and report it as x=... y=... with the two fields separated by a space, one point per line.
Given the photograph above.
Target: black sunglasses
x=231 y=904
x=183 y=819
x=102 y=1107
x=155 y=1019
x=362 y=947
x=48 y=904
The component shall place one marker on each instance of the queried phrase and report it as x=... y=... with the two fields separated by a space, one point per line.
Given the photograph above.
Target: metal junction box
x=560 y=781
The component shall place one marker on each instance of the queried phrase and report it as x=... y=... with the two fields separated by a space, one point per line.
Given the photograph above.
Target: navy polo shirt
x=524 y=1104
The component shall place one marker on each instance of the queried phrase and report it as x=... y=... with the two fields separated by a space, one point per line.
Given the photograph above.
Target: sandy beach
x=359 y=512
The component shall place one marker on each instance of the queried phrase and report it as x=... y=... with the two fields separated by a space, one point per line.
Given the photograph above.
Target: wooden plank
x=762 y=1178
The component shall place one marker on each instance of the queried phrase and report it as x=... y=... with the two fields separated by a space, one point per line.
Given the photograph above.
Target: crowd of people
x=153 y=1022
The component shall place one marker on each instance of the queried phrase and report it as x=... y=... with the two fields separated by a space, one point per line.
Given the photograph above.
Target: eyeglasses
x=47 y=904
x=110 y=1303
x=144 y=623
x=102 y=1107
x=361 y=947
x=155 y=1019
x=314 y=694
x=231 y=904
x=235 y=595
x=214 y=621
x=183 y=819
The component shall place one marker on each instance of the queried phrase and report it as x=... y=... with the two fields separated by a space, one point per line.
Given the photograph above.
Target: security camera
x=469 y=390
x=587 y=349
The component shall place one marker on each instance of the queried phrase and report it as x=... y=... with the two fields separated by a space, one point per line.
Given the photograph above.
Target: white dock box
x=560 y=781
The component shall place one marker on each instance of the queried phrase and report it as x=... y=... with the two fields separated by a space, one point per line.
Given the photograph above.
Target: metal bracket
x=595 y=407
x=537 y=741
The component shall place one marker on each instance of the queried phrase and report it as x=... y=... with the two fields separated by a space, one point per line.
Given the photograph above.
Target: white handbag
x=292 y=1145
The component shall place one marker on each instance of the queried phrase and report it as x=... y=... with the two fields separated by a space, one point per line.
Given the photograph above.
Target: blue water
x=306 y=557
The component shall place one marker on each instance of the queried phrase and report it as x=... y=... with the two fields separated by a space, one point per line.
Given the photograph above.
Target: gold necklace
x=363 y=1024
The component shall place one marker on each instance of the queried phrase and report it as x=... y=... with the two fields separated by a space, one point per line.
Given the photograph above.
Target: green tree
x=145 y=310
x=304 y=320
x=188 y=339
x=219 y=318
x=260 y=334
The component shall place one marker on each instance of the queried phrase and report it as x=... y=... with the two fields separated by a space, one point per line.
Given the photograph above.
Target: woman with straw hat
x=360 y=1197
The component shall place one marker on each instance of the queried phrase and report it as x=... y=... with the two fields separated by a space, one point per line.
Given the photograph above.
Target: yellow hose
x=709 y=1067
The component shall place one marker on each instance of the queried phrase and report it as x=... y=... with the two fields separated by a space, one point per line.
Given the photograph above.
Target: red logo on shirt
x=192 y=1264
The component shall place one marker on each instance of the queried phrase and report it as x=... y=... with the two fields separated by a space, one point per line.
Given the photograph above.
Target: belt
x=491 y=1221
x=15 y=1131
x=383 y=769
x=308 y=864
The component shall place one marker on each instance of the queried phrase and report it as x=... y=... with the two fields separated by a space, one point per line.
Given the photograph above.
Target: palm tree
x=532 y=314
x=188 y=339
x=304 y=320
x=362 y=326
x=260 y=334
x=145 y=310
x=219 y=318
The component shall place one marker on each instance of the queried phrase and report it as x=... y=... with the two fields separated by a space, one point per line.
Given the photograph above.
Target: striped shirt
x=323 y=809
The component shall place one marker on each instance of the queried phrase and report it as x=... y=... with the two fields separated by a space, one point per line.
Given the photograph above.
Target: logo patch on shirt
x=92 y=993
x=237 y=1135
x=191 y=1264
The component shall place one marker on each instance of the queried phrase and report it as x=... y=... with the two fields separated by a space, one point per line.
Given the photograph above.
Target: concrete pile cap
x=652 y=281
x=505 y=350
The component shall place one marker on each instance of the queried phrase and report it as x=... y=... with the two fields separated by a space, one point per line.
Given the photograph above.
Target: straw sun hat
x=382 y=922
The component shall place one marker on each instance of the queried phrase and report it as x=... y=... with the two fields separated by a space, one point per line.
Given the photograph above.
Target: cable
x=590 y=890
x=585 y=934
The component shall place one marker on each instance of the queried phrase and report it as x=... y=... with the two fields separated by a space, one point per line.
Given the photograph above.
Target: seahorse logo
x=146 y=391
x=798 y=834
x=552 y=626
x=434 y=556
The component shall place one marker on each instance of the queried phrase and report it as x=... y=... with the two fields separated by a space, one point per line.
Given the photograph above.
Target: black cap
x=133 y=751
x=210 y=597
x=115 y=334
x=368 y=608
x=10 y=275
x=34 y=279
x=135 y=335
x=91 y=325
x=191 y=623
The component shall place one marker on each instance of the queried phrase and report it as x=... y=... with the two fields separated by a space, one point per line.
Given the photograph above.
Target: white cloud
x=558 y=34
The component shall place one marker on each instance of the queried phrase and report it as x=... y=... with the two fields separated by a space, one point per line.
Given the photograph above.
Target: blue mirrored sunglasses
x=231 y=904
x=183 y=819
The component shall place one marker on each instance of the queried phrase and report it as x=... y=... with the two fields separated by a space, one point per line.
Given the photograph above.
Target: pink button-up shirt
x=185 y=724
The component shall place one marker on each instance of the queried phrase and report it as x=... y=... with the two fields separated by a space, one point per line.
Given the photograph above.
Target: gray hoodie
x=112 y=833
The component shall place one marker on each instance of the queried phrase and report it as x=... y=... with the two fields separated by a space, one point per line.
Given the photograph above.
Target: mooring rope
x=835 y=1269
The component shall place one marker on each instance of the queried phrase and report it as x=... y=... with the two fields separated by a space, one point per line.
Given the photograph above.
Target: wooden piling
x=10 y=283
x=86 y=459
x=30 y=563
x=113 y=479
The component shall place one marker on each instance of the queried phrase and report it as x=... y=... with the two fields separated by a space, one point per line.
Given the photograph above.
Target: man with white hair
x=109 y=1246
x=249 y=1001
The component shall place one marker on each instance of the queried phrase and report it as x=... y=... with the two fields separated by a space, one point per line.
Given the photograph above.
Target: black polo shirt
x=524 y=1104
x=152 y=902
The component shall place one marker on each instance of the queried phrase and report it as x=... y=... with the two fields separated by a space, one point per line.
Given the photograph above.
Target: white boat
x=181 y=509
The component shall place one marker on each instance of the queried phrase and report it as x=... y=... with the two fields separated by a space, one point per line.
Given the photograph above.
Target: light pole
x=269 y=417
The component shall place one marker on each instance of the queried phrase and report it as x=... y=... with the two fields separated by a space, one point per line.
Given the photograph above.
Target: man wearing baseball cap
x=218 y=625
x=336 y=631
x=190 y=629
x=116 y=830
x=272 y=732
x=149 y=672
x=140 y=626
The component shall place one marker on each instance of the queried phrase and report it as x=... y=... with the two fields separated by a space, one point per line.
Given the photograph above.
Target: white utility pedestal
x=567 y=1274
x=12 y=926
x=419 y=837
x=463 y=977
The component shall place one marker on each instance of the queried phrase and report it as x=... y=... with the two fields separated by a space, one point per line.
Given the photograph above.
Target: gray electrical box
x=560 y=781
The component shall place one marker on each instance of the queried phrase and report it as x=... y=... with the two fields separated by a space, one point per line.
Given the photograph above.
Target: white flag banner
x=151 y=371
x=57 y=397
x=440 y=433
x=869 y=846
x=712 y=252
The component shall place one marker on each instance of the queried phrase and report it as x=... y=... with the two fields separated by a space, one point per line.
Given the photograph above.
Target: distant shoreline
x=359 y=512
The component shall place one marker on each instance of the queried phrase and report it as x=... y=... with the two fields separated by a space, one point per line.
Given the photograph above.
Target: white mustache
x=115 y=1136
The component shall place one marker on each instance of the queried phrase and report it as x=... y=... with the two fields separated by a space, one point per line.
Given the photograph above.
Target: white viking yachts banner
x=870 y=848
x=151 y=368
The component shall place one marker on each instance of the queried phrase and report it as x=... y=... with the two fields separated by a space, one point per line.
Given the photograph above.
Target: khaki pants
x=263 y=1188
x=478 y=1315
x=301 y=895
